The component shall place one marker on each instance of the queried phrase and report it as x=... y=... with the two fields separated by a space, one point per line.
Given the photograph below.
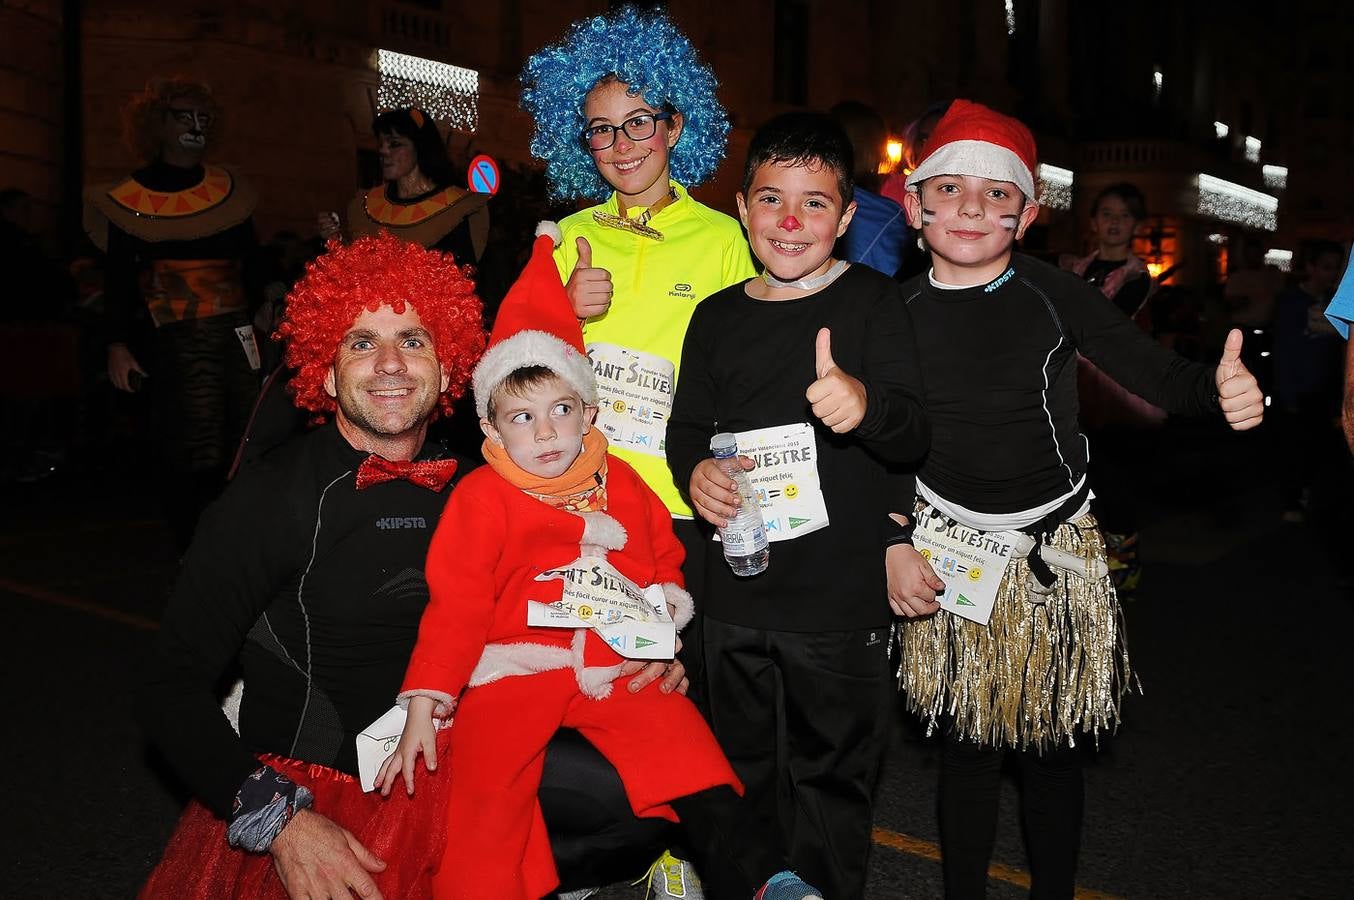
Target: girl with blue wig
x=626 y=114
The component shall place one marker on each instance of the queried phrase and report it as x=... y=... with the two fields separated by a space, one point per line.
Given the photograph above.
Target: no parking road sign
x=482 y=176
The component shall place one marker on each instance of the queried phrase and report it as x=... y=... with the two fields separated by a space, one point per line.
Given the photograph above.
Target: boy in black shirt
x=1000 y=335
x=822 y=352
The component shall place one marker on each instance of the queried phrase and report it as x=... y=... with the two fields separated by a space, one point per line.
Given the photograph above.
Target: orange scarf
x=582 y=487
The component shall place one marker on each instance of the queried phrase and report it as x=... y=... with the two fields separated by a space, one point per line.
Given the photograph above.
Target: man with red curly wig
x=308 y=572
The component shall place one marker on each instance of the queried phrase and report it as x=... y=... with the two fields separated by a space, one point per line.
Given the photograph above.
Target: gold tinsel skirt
x=1044 y=669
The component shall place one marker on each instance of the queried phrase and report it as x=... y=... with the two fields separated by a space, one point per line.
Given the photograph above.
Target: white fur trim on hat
x=680 y=601
x=545 y=226
x=981 y=159
x=532 y=348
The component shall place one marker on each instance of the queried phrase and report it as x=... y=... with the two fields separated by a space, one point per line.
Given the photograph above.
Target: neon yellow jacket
x=657 y=286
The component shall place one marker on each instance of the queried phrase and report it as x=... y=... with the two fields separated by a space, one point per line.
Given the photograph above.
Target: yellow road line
x=929 y=850
x=43 y=595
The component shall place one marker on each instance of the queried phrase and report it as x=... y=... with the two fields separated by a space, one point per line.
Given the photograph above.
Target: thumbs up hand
x=838 y=400
x=589 y=289
x=1239 y=394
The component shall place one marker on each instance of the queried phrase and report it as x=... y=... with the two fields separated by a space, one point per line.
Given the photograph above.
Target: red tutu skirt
x=408 y=833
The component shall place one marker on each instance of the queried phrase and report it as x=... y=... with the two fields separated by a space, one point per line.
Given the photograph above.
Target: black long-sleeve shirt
x=746 y=364
x=1000 y=367
x=317 y=588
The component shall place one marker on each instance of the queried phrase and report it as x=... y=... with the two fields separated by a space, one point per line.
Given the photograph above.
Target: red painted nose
x=790 y=223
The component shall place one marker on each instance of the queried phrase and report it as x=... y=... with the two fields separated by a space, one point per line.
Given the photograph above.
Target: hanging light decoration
x=1231 y=202
x=1055 y=186
x=448 y=93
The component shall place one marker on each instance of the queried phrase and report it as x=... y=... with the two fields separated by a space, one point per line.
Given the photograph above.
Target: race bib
x=634 y=392
x=972 y=564
x=786 y=479
x=633 y=620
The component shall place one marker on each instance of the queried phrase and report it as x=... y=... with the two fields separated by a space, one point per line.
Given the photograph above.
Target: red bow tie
x=432 y=474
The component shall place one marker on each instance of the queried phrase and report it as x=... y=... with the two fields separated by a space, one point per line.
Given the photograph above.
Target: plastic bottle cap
x=725 y=442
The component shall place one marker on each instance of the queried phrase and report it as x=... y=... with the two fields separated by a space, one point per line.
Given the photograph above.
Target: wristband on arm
x=900 y=534
x=263 y=806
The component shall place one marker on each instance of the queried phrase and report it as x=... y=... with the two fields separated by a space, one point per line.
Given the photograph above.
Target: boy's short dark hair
x=1128 y=194
x=799 y=139
x=518 y=383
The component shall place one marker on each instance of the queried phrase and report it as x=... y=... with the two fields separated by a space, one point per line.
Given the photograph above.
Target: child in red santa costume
x=550 y=494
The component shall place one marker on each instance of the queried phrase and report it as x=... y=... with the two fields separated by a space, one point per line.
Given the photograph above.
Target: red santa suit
x=527 y=682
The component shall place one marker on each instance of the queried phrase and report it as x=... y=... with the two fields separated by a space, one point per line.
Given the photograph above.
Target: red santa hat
x=971 y=139
x=536 y=326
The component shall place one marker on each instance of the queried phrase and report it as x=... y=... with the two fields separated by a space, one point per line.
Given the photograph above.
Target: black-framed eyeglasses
x=636 y=128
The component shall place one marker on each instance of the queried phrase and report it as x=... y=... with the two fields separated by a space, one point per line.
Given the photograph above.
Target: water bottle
x=744 y=538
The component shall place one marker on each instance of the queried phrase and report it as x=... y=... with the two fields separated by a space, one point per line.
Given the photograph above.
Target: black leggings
x=1052 y=797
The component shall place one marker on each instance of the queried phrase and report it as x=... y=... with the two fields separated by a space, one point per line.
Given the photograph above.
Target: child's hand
x=1242 y=401
x=912 y=583
x=589 y=289
x=714 y=494
x=838 y=399
x=419 y=736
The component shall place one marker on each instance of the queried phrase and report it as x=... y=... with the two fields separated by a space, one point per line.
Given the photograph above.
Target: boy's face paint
x=637 y=170
x=793 y=215
x=543 y=431
x=970 y=224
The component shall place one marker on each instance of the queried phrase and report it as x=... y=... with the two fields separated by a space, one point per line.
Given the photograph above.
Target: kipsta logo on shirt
x=683 y=290
x=386 y=523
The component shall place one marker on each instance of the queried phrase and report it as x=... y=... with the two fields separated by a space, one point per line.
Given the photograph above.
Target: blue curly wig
x=644 y=51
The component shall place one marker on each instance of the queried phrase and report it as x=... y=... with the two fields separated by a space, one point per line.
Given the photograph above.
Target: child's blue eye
x=521 y=418
x=562 y=409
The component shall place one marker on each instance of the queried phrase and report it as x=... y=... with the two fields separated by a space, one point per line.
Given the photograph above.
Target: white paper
x=376 y=742
x=972 y=564
x=251 y=347
x=634 y=391
x=789 y=493
x=633 y=620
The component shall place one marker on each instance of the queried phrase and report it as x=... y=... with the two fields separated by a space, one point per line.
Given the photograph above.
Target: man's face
x=184 y=129
x=793 y=214
x=386 y=377
x=969 y=223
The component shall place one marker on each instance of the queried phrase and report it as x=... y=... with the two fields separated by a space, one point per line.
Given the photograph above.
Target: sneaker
x=787 y=886
x=671 y=877
x=580 y=894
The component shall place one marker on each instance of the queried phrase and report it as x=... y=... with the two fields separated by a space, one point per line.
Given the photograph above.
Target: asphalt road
x=1228 y=778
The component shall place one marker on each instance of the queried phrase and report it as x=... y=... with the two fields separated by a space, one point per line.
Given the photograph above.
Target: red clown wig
x=367 y=274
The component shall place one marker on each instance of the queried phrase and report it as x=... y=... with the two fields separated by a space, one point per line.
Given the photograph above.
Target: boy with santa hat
x=552 y=500
x=999 y=334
